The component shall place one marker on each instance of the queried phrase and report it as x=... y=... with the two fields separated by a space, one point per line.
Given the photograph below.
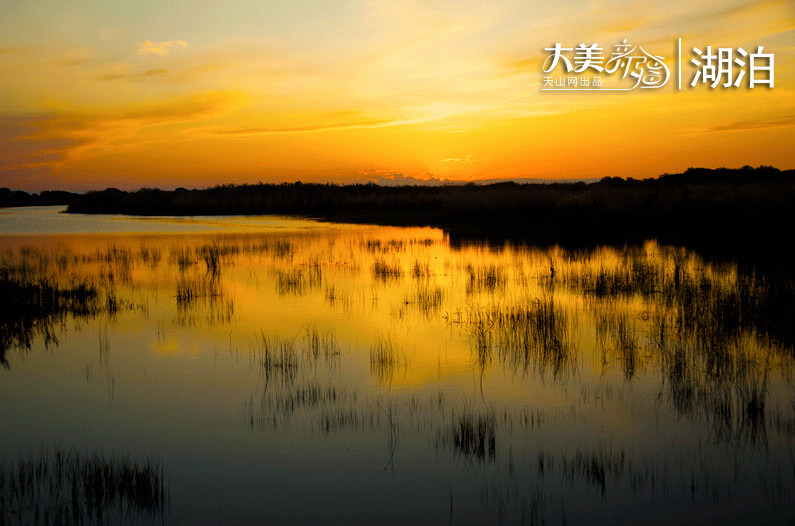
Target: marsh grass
x=378 y=246
x=728 y=393
x=709 y=302
x=386 y=271
x=531 y=335
x=201 y=297
x=278 y=407
x=713 y=337
x=420 y=270
x=544 y=485
x=299 y=281
x=276 y=357
x=116 y=264
x=320 y=344
x=713 y=331
x=617 y=335
x=283 y=358
x=69 y=486
x=427 y=299
x=311 y=395
x=36 y=308
x=211 y=254
x=392 y=434
x=150 y=256
x=386 y=358
x=597 y=466
x=338 y=297
x=472 y=434
x=485 y=278
x=191 y=291
x=183 y=257
x=348 y=419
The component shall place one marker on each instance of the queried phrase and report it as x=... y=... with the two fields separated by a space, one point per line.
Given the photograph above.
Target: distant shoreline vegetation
x=720 y=203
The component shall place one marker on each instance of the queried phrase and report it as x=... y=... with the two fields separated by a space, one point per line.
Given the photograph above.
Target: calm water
x=266 y=369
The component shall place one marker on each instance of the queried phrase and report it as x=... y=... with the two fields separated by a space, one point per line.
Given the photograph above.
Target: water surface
x=284 y=370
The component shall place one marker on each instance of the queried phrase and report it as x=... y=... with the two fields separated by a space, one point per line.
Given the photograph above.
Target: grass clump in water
x=488 y=278
x=73 y=487
x=385 y=359
x=472 y=434
x=384 y=270
x=36 y=307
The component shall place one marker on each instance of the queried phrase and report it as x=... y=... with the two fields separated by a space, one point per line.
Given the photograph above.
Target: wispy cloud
x=55 y=139
x=23 y=154
x=352 y=125
x=134 y=76
x=147 y=47
x=466 y=159
x=393 y=178
x=752 y=125
x=305 y=129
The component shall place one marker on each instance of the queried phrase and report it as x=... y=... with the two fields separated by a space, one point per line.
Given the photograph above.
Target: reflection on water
x=392 y=376
x=71 y=487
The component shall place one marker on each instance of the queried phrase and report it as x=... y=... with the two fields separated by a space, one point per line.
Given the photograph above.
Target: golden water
x=289 y=370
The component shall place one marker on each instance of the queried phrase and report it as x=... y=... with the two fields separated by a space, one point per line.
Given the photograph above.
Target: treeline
x=47 y=198
x=719 y=202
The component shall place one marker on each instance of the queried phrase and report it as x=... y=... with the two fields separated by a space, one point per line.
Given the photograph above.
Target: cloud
x=384 y=177
x=750 y=8
x=23 y=155
x=467 y=159
x=745 y=21
x=188 y=108
x=147 y=47
x=396 y=177
x=49 y=141
x=318 y=128
x=134 y=76
x=307 y=129
x=752 y=125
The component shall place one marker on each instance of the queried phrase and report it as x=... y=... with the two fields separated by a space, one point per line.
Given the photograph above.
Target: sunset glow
x=101 y=94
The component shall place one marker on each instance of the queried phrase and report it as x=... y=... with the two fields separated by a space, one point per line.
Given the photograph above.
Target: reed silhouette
x=69 y=486
x=36 y=307
x=386 y=359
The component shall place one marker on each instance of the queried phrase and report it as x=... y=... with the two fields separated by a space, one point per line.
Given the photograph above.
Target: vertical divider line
x=679 y=63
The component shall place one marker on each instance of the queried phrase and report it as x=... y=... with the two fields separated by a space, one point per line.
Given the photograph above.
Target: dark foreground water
x=274 y=370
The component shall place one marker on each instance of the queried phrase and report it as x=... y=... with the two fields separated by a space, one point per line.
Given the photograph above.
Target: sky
x=97 y=94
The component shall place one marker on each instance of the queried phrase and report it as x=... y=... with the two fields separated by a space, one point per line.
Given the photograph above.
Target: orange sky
x=98 y=94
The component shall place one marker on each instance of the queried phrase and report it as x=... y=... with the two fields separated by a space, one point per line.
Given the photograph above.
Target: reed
x=385 y=359
x=386 y=271
x=485 y=278
x=472 y=434
x=320 y=344
x=31 y=308
x=69 y=486
x=532 y=335
x=299 y=281
x=277 y=357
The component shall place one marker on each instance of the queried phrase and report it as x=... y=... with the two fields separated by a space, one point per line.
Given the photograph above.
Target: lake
x=282 y=370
